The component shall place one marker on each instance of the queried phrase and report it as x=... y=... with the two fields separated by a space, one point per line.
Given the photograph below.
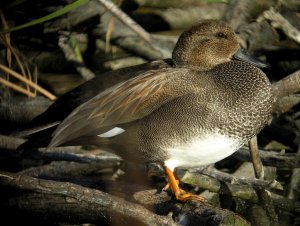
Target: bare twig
x=27 y=81
x=257 y=164
x=121 y=36
x=13 y=52
x=263 y=194
x=115 y=10
x=16 y=87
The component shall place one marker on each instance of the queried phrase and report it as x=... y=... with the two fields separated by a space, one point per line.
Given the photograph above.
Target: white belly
x=202 y=151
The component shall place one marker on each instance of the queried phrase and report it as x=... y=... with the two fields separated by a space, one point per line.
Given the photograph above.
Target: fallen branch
x=108 y=207
x=269 y=158
x=118 y=13
x=64 y=42
x=287 y=86
x=278 y=21
x=228 y=178
x=244 y=192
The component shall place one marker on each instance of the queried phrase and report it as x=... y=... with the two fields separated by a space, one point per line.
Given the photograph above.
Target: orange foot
x=179 y=194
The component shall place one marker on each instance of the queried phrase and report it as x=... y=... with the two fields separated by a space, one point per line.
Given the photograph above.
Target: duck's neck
x=199 y=61
x=198 y=65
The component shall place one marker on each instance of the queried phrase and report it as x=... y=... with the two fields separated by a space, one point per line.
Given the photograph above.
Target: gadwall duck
x=193 y=110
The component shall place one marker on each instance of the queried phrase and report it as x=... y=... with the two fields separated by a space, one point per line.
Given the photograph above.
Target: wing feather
x=122 y=103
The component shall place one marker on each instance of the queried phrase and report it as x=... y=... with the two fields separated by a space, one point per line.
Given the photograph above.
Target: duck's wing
x=122 y=103
x=65 y=104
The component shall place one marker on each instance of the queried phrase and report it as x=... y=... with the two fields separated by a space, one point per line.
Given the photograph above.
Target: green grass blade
x=50 y=16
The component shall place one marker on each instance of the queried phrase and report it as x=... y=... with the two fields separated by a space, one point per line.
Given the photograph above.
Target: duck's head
x=205 y=45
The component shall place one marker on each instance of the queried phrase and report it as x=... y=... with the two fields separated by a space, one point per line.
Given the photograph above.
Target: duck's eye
x=221 y=35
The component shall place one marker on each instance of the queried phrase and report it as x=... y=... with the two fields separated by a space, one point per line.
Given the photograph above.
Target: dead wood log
x=189 y=214
x=22 y=109
x=68 y=170
x=121 y=35
x=269 y=158
x=245 y=192
x=110 y=206
x=180 y=18
x=287 y=86
x=278 y=21
x=228 y=178
x=106 y=205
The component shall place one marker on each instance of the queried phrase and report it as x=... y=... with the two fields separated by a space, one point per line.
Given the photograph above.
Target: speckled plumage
x=176 y=114
x=238 y=108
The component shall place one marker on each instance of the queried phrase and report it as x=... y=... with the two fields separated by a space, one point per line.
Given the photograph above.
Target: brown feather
x=122 y=103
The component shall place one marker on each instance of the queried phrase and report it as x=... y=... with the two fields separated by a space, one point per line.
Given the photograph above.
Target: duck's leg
x=179 y=194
